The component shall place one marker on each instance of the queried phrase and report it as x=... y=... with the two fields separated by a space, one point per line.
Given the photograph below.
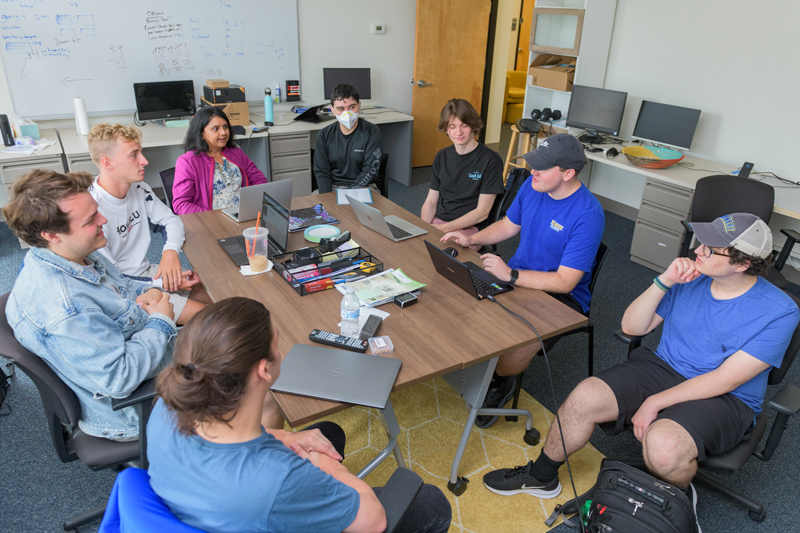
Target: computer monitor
x=164 y=100
x=666 y=124
x=596 y=111
x=357 y=77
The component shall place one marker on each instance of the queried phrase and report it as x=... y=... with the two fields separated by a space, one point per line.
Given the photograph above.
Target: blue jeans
x=430 y=511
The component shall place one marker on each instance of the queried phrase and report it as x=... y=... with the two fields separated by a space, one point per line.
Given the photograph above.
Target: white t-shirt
x=130 y=221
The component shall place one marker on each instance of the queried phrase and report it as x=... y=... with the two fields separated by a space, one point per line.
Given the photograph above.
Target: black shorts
x=716 y=424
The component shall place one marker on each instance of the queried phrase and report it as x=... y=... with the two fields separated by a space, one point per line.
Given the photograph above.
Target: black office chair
x=715 y=196
x=786 y=402
x=599 y=259
x=63 y=410
x=167 y=178
x=382 y=181
x=502 y=202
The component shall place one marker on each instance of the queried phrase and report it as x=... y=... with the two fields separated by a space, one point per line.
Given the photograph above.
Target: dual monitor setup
x=169 y=100
x=599 y=111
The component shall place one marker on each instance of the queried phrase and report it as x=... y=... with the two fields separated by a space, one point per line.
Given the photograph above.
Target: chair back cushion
x=776 y=374
x=167 y=178
x=715 y=196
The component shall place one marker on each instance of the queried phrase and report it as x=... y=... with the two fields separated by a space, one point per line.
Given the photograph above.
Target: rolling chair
x=786 y=402
x=715 y=196
x=133 y=506
x=167 y=178
x=63 y=410
x=382 y=181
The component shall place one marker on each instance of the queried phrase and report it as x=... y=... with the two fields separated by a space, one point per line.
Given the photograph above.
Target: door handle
x=423 y=83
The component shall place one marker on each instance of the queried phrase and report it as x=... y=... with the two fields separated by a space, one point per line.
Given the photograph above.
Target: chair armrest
x=397 y=495
x=633 y=341
x=144 y=392
x=792 y=238
x=687 y=239
x=786 y=400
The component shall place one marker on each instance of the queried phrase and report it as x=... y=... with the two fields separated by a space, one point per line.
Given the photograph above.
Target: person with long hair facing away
x=216 y=466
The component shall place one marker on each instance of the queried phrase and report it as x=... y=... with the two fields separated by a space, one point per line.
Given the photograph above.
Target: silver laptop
x=250 y=199
x=392 y=227
x=338 y=375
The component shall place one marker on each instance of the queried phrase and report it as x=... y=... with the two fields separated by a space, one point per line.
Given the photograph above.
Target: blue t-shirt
x=259 y=485
x=703 y=332
x=558 y=232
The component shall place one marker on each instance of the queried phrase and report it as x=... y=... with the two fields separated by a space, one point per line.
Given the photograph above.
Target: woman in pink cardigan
x=213 y=169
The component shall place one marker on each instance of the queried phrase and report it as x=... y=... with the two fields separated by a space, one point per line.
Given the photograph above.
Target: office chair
x=715 y=196
x=786 y=402
x=599 y=259
x=63 y=410
x=134 y=507
x=383 y=176
x=167 y=178
x=502 y=202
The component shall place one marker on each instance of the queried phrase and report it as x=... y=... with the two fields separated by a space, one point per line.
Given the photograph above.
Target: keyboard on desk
x=485 y=289
x=397 y=233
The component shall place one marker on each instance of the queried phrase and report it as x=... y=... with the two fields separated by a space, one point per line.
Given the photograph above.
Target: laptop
x=392 y=227
x=274 y=217
x=312 y=115
x=338 y=375
x=470 y=277
x=250 y=199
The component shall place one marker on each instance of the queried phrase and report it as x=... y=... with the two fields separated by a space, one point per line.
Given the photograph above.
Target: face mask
x=347 y=119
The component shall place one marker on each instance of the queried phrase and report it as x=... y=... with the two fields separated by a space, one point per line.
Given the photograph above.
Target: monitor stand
x=591 y=137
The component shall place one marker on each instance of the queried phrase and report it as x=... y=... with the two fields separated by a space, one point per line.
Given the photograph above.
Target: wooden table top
x=445 y=331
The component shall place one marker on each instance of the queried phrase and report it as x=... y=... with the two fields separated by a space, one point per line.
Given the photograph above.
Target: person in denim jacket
x=101 y=332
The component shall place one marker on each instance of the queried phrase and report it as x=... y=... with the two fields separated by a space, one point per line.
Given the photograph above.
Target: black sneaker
x=501 y=390
x=518 y=480
x=693 y=497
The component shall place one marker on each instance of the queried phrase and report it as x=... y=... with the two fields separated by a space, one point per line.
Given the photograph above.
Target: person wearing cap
x=725 y=327
x=560 y=225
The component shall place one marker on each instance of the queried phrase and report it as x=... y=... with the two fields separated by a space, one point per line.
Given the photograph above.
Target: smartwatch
x=514 y=276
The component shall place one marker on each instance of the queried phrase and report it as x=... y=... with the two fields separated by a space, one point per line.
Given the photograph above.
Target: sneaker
x=501 y=390
x=693 y=497
x=518 y=480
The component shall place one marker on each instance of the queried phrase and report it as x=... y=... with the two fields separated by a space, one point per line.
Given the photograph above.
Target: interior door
x=449 y=62
x=524 y=35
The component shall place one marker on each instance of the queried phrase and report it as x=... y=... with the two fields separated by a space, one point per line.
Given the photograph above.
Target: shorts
x=178 y=299
x=715 y=424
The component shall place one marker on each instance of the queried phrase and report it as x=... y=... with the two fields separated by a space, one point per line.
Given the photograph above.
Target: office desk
x=446 y=332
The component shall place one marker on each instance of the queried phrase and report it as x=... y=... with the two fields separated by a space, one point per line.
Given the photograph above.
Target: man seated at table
x=102 y=332
x=132 y=210
x=467 y=176
x=698 y=393
x=348 y=153
x=560 y=224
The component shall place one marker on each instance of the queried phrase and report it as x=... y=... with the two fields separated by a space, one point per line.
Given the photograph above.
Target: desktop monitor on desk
x=164 y=100
x=666 y=124
x=357 y=77
x=596 y=111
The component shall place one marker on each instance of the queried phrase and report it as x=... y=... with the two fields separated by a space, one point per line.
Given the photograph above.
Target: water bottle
x=268 y=116
x=350 y=310
x=276 y=96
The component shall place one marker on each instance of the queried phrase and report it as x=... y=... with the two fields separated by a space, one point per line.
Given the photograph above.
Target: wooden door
x=524 y=35
x=450 y=55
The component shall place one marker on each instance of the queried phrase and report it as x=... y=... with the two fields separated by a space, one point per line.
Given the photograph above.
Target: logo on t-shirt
x=475 y=175
x=555 y=226
x=124 y=229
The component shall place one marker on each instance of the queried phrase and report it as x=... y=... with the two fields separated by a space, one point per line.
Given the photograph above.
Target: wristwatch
x=514 y=276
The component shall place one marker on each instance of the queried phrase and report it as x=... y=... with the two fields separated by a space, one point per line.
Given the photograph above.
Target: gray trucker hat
x=743 y=231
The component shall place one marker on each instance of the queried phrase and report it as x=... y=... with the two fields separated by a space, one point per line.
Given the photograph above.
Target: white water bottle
x=351 y=306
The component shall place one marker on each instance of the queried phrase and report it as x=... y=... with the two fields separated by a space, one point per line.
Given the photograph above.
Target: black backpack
x=4 y=385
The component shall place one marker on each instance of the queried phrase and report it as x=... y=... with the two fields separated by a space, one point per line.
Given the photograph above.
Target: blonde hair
x=102 y=139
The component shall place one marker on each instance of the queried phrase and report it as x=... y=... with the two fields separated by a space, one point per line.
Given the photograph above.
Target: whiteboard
x=55 y=50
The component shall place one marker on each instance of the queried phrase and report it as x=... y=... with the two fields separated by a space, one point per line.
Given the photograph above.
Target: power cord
x=558 y=419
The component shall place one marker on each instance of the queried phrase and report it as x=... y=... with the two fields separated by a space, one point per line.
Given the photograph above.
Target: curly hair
x=102 y=139
x=757 y=265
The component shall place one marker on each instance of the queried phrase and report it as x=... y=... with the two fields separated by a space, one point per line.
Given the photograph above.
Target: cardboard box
x=221 y=95
x=238 y=112
x=547 y=70
x=217 y=83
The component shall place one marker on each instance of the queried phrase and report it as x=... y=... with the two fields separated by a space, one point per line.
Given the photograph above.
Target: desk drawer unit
x=659 y=233
x=290 y=158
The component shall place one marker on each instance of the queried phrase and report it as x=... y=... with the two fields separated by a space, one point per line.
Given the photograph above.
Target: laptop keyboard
x=398 y=233
x=484 y=289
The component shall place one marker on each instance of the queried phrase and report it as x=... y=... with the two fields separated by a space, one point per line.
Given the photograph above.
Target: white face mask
x=348 y=119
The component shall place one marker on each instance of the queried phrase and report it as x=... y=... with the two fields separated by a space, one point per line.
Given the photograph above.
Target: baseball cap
x=561 y=150
x=743 y=231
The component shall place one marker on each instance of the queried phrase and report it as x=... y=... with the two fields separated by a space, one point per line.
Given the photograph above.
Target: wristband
x=657 y=282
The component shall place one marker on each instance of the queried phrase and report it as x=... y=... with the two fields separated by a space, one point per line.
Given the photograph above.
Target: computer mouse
x=452 y=252
x=612 y=152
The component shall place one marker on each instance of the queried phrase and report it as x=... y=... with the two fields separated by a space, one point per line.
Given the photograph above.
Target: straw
x=258 y=223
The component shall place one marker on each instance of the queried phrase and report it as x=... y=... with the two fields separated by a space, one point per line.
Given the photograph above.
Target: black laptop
x=312 y=115
x=274 y=217
x=470 y=277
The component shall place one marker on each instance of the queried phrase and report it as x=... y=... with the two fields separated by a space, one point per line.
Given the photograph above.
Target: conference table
x=447 y=333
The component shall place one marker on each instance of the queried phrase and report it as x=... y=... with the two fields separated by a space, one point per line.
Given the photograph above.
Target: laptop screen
x=275 y=218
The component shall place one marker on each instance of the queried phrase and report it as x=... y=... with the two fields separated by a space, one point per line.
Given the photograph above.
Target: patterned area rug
x=432 y=417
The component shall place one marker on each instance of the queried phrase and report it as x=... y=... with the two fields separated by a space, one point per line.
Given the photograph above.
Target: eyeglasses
x=708 y=252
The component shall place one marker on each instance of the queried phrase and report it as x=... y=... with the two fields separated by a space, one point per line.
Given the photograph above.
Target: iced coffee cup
x=255 y=242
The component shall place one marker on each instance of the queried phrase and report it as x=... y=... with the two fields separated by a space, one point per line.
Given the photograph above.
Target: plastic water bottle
x=350 y=311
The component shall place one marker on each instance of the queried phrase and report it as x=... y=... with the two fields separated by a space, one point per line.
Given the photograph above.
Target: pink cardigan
x=192 y=190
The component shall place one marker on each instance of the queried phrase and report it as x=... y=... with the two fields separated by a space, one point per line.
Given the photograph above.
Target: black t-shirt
x=347 y=160
x=461 y=179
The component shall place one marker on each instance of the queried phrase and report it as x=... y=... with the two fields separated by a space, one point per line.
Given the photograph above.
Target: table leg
x=389 y=421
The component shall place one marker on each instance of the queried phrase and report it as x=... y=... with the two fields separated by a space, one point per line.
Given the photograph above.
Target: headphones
x=545 y=114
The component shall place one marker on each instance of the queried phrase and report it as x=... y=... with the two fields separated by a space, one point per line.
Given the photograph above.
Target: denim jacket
x=88 y=327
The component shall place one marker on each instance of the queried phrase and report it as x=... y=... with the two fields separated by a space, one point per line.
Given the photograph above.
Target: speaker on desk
x=5 y=131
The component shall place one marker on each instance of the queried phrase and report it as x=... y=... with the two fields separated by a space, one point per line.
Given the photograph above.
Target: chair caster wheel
x=531 y=436
x=757 y=517
x=459 y=486
x=511 y=419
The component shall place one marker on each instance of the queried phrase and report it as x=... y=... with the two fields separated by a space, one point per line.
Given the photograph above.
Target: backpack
x=4 y=386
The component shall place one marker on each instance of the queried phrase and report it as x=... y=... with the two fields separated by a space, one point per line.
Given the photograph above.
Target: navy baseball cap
x=561 y=150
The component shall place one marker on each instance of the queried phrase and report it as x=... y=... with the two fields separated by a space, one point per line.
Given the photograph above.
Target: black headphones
x=545 y=114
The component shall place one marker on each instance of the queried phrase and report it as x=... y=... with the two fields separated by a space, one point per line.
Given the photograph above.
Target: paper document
x=362 y=195
x=383 y=287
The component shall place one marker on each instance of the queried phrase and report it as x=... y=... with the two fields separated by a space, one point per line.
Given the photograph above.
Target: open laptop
x=312 y=115
x=338 y=375
x=250 y=199
x=274 y=217
x=470 y=277
x=392 y=227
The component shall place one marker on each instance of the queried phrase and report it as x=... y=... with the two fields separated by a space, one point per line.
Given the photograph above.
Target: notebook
x=274 y=217
x=392 y=227
x=250 y=199
x=338 y=375
x=470 y=277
